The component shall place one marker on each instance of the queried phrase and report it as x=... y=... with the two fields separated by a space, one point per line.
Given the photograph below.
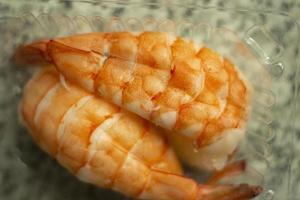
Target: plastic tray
x=256 y=41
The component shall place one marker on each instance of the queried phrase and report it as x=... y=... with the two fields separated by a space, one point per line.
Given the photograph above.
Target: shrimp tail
x=32 y=54
x=228 y=192
x=232 y=192
x=171 y=186
x=229 y=170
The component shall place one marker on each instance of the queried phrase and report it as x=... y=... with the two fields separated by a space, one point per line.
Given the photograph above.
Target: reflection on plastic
x=115 y=25
x=134 y=25
x=263 y=43
x=269 y=195
x=82 y=24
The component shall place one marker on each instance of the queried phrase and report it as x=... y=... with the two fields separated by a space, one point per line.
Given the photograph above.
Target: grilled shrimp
x=106 y=146
x=162 y=78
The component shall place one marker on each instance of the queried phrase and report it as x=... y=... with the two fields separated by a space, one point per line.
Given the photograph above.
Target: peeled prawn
x=162 y=78
x=106 y=146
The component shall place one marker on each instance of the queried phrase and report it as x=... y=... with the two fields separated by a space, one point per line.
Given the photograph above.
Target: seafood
x=162 y=78
x=217 y=153
x=106 y=146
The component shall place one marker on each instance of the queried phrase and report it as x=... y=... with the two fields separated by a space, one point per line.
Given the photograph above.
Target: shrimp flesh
x=162 y=78
x=106 y=146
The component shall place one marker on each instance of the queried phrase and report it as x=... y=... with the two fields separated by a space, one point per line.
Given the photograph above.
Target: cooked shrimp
x=162 y=78
x=103 y=145
x=230 y=124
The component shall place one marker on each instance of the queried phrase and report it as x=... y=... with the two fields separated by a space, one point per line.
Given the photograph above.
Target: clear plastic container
x=257 y=42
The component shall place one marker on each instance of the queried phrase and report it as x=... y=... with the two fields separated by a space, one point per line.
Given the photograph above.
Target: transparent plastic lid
x=257 y=42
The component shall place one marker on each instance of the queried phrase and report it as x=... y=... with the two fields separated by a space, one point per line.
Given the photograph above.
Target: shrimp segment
x=105 y=146
x=162 y=78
